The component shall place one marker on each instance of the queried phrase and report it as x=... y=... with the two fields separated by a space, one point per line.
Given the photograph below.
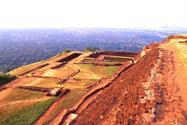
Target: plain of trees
x=22 y=47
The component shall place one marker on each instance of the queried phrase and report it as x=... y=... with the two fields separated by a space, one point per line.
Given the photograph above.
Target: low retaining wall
x=38 y=67
x=119 y=59
x=46 y=77
x=100 y=64
x=39 y=89
x=59 y=118
x=70 y=76
x=128 y=54
x=59 y=66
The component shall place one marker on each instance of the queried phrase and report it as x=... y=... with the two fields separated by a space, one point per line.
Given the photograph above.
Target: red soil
x=143 y=94
x=120 y=102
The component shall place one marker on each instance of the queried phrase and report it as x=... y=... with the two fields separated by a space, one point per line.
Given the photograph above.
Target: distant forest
x=21 y=47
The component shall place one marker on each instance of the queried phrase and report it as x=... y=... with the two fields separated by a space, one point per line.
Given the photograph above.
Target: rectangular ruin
x=70 y=57
x=112 y=53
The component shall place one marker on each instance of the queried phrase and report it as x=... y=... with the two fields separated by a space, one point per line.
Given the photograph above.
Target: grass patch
x=182 y=55
x=91 y=71
x=26 y=115
x=111 y=69
x=71 y=98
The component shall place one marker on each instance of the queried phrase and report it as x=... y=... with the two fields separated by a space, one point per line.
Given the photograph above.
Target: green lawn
x=26 y=115
x=109 y=70
x=72 y=97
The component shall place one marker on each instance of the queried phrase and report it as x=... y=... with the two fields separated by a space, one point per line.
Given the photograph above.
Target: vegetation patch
x=26 y=115
x=183 y=55
x=111 y=69
x=71 y=98
x=5 y=78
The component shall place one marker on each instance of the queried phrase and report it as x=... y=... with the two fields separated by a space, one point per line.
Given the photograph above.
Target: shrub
x=5 y=78
x=92 y=49
x=65 y=51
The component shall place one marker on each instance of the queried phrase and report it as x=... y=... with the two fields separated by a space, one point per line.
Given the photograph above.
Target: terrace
x=67 y=72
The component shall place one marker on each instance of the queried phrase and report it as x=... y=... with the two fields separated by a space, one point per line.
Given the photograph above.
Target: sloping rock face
x=133 y=98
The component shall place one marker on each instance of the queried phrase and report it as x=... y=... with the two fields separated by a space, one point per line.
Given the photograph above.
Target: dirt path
x=179 y=77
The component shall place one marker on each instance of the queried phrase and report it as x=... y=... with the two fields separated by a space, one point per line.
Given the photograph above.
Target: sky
x=92 y=13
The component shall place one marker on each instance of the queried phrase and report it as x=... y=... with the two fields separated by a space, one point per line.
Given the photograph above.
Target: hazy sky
x=92 y=13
